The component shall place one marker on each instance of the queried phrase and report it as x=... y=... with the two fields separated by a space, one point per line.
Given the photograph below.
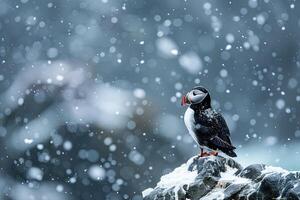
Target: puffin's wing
x=221 y=144
x=223 y=132
x=218 y=143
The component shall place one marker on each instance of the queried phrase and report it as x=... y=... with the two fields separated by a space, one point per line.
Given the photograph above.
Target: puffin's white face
x=193 y=97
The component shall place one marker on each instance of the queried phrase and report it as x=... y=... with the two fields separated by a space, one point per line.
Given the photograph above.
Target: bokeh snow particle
x=136 y=157
x=67 y=145
x=35 y=173
x=167 y=48
x=52 y=52
x=139 y=93
x=271 y=140
x=191 y=62
x=96 y=173
x=59 y=188
x=280 y=103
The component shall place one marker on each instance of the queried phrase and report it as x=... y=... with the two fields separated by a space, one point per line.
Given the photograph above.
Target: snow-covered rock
x=223 y=178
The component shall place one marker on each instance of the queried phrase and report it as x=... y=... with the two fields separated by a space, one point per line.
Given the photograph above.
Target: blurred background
x=90 y=90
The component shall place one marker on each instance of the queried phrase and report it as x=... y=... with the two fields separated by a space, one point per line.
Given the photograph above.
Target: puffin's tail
x=230 y=153
x=224 y=146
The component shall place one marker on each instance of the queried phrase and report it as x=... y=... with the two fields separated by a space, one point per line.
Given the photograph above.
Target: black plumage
x=212 y=131
x=207 y=126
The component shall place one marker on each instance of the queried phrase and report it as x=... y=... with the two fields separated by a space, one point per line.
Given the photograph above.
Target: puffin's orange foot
x=204 y=154
x=213 y=153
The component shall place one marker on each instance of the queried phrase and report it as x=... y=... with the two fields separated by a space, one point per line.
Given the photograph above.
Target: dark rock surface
x=223 y=178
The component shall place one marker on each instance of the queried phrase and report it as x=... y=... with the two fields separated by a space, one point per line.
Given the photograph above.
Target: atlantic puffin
x=207 y=127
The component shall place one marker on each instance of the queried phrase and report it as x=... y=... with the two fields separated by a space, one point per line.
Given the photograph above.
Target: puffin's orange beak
x=183 y=100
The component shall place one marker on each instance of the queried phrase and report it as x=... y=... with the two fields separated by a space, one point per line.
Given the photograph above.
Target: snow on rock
x=223 y=178
x=271 y=169
x=230 y=176
x=171 y=179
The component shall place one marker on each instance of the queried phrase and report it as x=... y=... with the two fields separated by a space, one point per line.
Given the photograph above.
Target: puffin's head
x=197 y=96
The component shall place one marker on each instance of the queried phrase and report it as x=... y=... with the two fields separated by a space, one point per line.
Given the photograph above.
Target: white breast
x=189 y=121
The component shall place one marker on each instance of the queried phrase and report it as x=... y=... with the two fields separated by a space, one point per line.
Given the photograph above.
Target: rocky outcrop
x=223 y=178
